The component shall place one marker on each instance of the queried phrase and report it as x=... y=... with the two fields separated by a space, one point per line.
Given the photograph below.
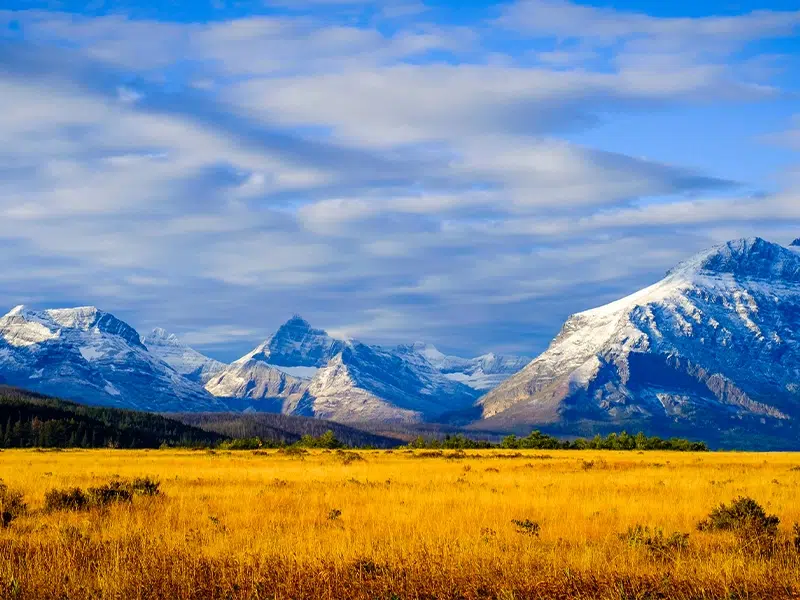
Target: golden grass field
x=412 y=525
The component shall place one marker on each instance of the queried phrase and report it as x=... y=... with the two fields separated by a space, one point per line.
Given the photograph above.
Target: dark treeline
x=540 y=441
x=29 y=420
x=278 y=430
x=327 y=440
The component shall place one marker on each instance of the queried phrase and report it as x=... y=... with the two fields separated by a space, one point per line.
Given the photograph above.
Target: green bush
x=327 y=440
x=252 y=443
x=744 y=516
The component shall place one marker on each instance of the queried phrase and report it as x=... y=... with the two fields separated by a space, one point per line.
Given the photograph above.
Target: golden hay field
x=411 y=525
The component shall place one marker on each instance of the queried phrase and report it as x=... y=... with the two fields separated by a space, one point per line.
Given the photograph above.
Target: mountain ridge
x=712 y=342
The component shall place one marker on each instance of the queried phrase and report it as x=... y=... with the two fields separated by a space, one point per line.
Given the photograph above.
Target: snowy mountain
x=262 y=387
x=713 y=345
x=481 y=373
x=185 y=360
x=302 y=370
x=368 y=383
x=296 y=344
x=88 y=355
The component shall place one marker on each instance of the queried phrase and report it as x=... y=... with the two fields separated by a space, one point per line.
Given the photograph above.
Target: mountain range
x=88 y=355
x=712 y=347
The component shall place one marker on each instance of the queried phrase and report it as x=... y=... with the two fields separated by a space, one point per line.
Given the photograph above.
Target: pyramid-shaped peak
x=296 y=322
x=295 y=344
x=795 y=244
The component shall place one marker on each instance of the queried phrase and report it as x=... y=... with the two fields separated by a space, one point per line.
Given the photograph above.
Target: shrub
x=68 y=499
x=145 y=486
x=327 y=440
x=334 y=514
x=115 y=491
x=252 y=443
x=457 y=455
x=428 y=454
x=527 y=527
x=744 y=516
x=654 y=540
x=293 y=451
x=12 y=505
x=349 y=457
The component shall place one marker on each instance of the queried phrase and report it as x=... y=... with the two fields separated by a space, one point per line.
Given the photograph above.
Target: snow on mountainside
x=714 y=344
x=274 y=375
x=481 y=373
x=89 y=355
x=296 y=344
x=267 y=389
x=185 y=360
x=368 y=383
x=338 y=379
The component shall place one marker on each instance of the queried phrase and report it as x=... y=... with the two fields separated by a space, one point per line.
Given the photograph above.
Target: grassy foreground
x=399 y=524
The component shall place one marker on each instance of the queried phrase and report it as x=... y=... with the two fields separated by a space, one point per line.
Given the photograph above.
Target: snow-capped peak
x=795 y=244
x=296 y=344
x=79 y=317
x=89 y=355
x=185 y=360
x=161 y=336
x=715 y=339
x=429 y=351
x=749 y=258
x=18 y=310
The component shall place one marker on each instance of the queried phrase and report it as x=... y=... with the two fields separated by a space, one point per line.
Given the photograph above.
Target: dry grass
x=320 y=525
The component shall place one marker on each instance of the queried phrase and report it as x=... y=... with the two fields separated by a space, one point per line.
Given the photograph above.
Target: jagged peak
x=749 y=258
x=795 y=244
x=159 y=335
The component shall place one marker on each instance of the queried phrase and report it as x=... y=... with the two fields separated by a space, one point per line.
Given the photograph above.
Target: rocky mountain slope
x=185 y=360
x=88 y=355
x=714 y=345
x=304 y=371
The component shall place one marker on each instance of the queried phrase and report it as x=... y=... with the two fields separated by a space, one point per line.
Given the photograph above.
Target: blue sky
x=464 y=173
